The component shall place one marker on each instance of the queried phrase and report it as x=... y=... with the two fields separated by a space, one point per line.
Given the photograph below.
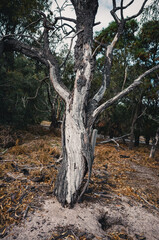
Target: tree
x=81 y=109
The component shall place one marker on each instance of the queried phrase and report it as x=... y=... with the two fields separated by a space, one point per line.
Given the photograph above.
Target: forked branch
x=109 y=49
x=123 y=93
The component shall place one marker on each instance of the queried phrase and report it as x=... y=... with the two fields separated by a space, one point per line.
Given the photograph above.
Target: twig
x=37 y=90
x=4 y=152
x=67 y=19
x=77 y=238
x=96 y=50
x=16 y=177
x=32 y=23
x=63 y=64
x=26 y=211
x=151 y=205
x=97 y=23
x=21 y=35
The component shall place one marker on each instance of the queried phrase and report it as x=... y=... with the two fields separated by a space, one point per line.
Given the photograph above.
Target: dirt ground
x=122 y=201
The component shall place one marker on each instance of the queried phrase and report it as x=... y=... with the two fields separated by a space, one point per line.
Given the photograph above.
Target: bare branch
x=37 y=90
x=65 y=24
x=66 y=19
x=93 y=54
x=123 y=93
x=107 y=68
x=97 y=23
x=114 y=139
x=12 y=44
x=32 y=23
x=121 y=10
x=44 y=57
x=114 y=4
x=143 y=112
x=128 y=4
x=62 y=91
x=139 y=12
x=109 y=50
x=125 y=77
x=123 y=7
x=21 y=35
x=63 y=64
x=61 y=17
x=113 y=12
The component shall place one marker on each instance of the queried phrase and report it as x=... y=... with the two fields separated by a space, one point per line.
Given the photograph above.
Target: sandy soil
x=123 y=215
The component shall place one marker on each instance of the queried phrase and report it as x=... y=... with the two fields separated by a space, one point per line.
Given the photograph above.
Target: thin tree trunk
x=137 y=137
x=131 y=144
x=154 y=145
x=135 y=118
x=54 y=121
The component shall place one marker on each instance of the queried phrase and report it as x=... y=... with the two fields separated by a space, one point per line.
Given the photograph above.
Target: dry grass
x=19 y=168
x=38 y=155
x=124 y=179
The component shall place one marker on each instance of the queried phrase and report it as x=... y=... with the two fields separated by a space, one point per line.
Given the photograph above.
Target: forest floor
x=122 y=201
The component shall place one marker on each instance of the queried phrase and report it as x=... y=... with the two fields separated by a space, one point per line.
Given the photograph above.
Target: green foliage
x=18 y=84
x=135 y=52
x=147 y=44
x=151 y=11
x=15 y=15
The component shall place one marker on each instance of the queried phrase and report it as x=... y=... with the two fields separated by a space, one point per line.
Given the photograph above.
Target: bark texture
x=154 y=145
x=77 y=149
x=77 y=152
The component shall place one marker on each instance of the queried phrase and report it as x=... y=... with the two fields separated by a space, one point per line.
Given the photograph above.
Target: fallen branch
x=4 y=151
x=151 y=205
x=114 y=139
x=16 y=177
x=6 y=160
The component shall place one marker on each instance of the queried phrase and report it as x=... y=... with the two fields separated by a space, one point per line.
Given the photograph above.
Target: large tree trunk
x=77 y=149
x=77 y=154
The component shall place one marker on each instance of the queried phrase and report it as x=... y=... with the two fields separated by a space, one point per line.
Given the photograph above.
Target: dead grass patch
x=111 y=173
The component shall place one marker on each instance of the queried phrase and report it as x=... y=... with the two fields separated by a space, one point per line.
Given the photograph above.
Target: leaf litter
x=28 y=172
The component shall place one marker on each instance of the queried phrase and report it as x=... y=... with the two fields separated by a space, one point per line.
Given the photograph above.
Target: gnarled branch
x=59 y=87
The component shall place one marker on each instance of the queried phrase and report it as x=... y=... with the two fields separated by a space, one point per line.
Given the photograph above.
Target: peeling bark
x=77 y=157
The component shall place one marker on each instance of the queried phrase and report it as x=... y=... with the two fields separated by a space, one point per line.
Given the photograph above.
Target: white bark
x=153 y=149
x=85 y=74
x=61 y=90
x=106 y=78
x=76 y=165
x=93 y=140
